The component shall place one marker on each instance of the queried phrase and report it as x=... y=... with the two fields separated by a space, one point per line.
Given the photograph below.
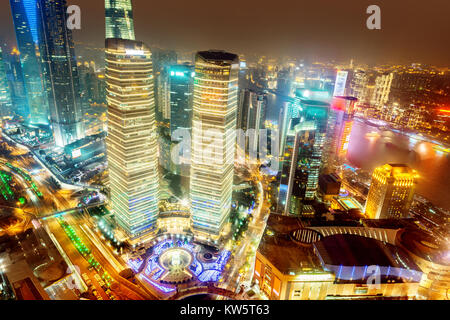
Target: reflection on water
x=367 y=151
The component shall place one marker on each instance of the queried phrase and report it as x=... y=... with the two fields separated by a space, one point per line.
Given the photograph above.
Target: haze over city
x=222 y=151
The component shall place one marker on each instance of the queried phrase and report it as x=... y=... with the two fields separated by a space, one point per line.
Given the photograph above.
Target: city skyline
x=215 y=174
x=303 y=31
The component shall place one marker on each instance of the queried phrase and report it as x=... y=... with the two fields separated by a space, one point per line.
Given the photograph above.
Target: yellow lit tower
x=213 y=140
x=131 y=141
x=391 y=192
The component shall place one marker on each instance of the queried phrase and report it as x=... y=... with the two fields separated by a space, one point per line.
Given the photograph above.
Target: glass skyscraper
x=213 y=140
x=132 y=141
x=61 y=72
x=5 y=92
x=302 y=154
x=181 y=86
x=119 y=19
x=27 y=22
x=17 y=86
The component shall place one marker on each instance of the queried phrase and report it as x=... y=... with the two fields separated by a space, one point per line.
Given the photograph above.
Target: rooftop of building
x=425 y=246
x=285 y=255
x=396 y=170
x=352 y=250
x=218 y=55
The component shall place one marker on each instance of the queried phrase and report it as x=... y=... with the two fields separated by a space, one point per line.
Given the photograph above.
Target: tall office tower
x=303 y=153
x=17 y=85
x=61 y=73
x=131 y=142
x=27 y=21
x=250 y=117
x=162 y=60
x=391 y=192
x=340 y=83
x=358 y=86
x=181 y=90
x=380 y=94
x=340 y=124
x=297 y=177
x=5 y=92
x=119 y=19
x=175 y=146
x=213 y=140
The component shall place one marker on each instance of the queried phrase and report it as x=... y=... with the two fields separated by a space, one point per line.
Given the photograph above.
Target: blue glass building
x=26 y=23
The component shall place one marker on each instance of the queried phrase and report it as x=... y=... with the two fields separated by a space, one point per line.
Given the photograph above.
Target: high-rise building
x=61 y=73
x=213 y=140
x=181 y=88
x=5 y=92
x=251 y=116
x=132 y=142
x=119 y=19
x=17 y=85
x=298 y=182
x=382 y=89
x=28 y=27
x=391 y=192
x=302 y=155
x=340 y=124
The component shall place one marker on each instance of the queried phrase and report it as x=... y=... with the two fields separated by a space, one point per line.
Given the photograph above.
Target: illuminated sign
x=133 y=52
x=341 y=80
x=76 y=153
x=177 y=73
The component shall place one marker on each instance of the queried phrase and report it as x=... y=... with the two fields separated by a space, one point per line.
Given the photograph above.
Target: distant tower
x=181 y=87
x=391 y=192
x=27 y=25
x=17 y=86
x=119 y=19
x=302 y=154
x=132 y=142
x=213 y=140
x=5 y=92
x=251 y=116
x=61 y=73
x=340 y=124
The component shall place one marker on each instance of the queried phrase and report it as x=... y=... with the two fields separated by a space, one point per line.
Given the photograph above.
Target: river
x=368 y=152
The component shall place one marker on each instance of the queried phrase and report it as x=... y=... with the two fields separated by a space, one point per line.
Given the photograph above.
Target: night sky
x=412 y=30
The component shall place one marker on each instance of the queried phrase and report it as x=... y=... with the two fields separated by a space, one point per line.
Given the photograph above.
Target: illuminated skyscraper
x=132 y=142
x=27 y=24
x=251 y=116
x=5 y=92
x=382 y=89
x=119 y=19
x=61 y=73
x=391 y=192
x=303 y=151
x=340 y=124
x=17 y=86
x=181 y=86
x=213 y=139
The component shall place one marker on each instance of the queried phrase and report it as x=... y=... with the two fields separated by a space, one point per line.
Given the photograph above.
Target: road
x=252 y=237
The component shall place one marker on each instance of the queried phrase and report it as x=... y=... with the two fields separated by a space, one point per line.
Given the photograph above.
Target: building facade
x=181 y=88
x=61 y=73
x=28 y=29
x=391 y=192
x=5 y=92
x=119 y=19
x=213 y=140
x=132 y=142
